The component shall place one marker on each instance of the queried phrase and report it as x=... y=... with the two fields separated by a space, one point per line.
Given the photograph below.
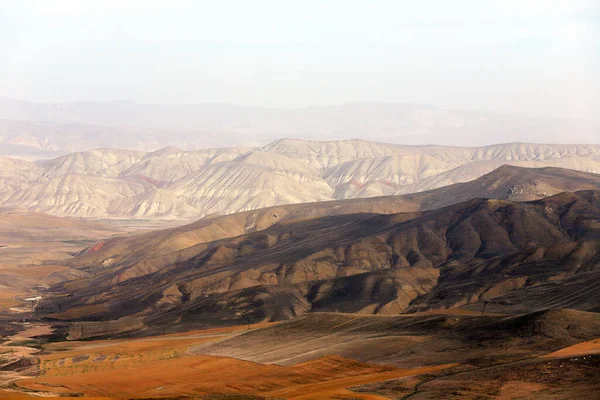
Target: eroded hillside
x=177 y=184
x=506 y=254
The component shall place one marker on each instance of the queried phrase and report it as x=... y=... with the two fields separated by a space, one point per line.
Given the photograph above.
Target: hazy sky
x=531 y=57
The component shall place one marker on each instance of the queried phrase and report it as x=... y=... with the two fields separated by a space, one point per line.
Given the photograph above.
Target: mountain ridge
x=76 y=126
x=173 y=183
x=462 y=255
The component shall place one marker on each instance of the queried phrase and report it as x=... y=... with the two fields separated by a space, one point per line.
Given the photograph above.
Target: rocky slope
x=512 y=256
x=108 y=163
x=507 y=182
x=173 y=183
x=16 y=175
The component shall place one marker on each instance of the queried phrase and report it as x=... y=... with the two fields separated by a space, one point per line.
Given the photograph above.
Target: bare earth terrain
x=176 y=365
x=172 y=183
x=33 y=251
x=440 y=294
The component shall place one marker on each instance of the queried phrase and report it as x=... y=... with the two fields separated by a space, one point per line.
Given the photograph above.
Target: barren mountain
x=16 y=175
x=108 y=163
x=512 y=183
x=168 y=165
x=517 y=256
x=470 y=171
x=44 y=139
x=255 y=180
x=173 y=183
x=76 y=194
x=77 y=126
x=328 y=154
x=154 y=203
x=382 y=174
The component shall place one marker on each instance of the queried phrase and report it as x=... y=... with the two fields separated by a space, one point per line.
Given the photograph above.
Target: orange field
x=9 y=395
x=7 y=298
x=162 y=367
x=585 y=348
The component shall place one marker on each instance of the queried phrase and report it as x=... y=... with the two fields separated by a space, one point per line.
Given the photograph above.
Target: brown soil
x=162 y=367
x=579 y=349
x=503 y=368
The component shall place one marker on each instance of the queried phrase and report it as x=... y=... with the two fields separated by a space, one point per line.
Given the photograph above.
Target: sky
x=529 y=57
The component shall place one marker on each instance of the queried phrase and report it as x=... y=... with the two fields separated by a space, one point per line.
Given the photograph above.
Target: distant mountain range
x=46 y=129
x=172 y=183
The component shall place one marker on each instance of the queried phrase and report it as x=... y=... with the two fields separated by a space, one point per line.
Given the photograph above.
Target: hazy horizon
x=301 y=107
x=517 y=58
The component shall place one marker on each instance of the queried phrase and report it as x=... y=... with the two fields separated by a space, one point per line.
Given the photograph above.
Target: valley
x=340 y=200
x=34 y=248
